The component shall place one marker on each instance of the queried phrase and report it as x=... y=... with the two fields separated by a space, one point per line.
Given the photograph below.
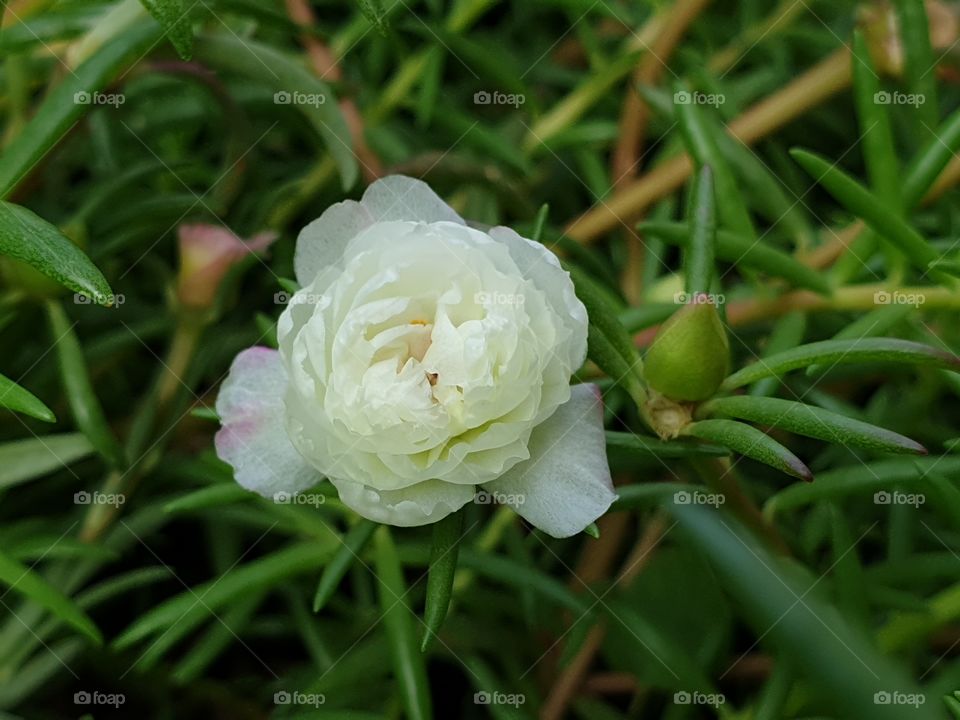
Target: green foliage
x=793 y=162
x=443 y=567
x=18 y=399
x=30 y=239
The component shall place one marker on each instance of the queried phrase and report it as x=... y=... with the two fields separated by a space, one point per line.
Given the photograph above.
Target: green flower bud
x=690 y=356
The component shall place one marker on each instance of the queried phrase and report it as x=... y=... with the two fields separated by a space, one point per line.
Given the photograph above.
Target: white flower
x=421 y=359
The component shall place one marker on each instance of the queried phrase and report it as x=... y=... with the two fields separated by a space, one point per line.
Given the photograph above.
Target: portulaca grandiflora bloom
x=423 y=364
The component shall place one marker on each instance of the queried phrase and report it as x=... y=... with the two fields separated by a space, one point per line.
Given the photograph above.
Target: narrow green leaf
x=510 y=572
x=741 y=250
x=218 y=638
x=119 y=584
x=873 y=324
x=269 y=16
x=353 y=544
x=698 y=263
x=443 y=566
x=793 y=616
x=174 y=18
x=86 y=408
x=16 y=398
x=946 y=497
x=24 y=460
x=374 y=12
x=681 y=669
x=811 y=421
x=608 y=343
x=953 y=705
x=206 y=413
x=787 y=333
x=495 y=70
x=292 y=84
x=860 y=479
x=695 y=126
x=645 y=494
x=651 y=448
x=185 y=612
x=765 y=191
x=931 y=159
x=539 y=222
x=880 y=156
x=837 y=352
x=952 y=267
x=30 y=584
x=867 y=206
x=60 y=110
x=29 y=238
x=484 y=680
x=52 y=546
x=430 y=86
x=750 y=442
x=847 y=570
x=51 y=26
x=499 y=146
x=408 y=662
x=919 y=61
x=216 y=496
x=879 y=150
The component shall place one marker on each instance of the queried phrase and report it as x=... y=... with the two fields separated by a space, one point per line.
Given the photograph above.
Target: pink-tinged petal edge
x=253 y=438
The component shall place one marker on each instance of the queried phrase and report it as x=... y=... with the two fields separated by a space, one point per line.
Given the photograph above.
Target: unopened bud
x=690 y=356
x=206 y=254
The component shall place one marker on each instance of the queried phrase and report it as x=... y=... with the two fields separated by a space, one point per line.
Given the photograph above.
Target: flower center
x=419 y=338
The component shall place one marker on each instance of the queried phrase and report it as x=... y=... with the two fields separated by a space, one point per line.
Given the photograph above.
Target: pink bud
x=206 y=254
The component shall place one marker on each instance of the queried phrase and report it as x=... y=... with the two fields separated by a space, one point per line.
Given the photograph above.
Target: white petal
x=420 y=504
x=322 y=242
x=253 y=439
x=565 y=485
x=398 y=197
x=541 y=266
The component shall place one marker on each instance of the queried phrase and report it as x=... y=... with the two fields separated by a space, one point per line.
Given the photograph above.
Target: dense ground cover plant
x=755 y=205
